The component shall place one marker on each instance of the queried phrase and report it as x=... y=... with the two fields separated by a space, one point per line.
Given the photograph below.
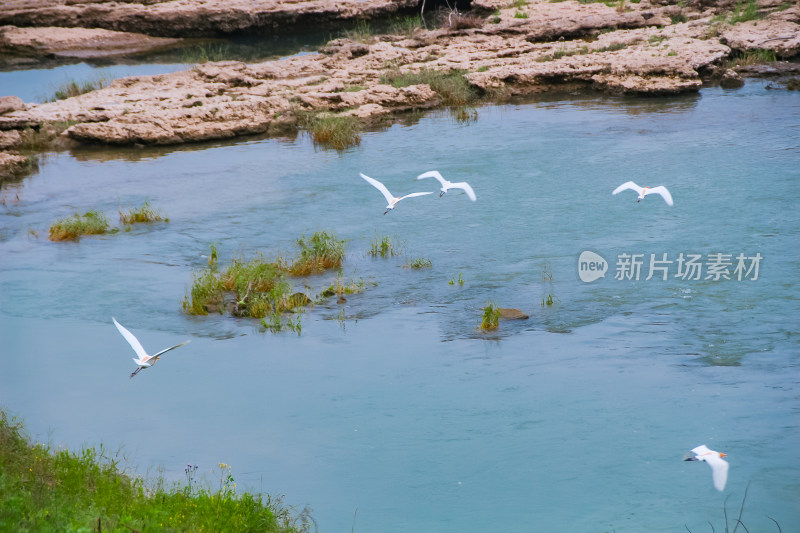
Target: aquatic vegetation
x=144 y=214
x=383 y=247
x=258 y=288
x=72 y=228
x=332 y=131
x=452 y=86
x=459 y=280
x=205 y=52
x=547 y=277
x=418 y=263
x=491 y=317
x=276 y=324
x=322 y=251
x=361 y=31
x=339 y=287
x=73 y=88
x=47 y=489
x=206 y=291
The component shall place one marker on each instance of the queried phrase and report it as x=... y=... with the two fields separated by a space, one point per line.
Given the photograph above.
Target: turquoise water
x=403 y=414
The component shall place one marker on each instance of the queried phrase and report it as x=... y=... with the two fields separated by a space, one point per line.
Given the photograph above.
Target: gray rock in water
x=731 y=80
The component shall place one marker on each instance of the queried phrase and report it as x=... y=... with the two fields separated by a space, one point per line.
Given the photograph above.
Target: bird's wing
x=628 y=185
x=170 y=348
x=413 y=194
x=380 y=186
x=434 y=174
x=663 y=192
x=701 y=450
x=464 y=185
x=133 y=341
x=719 y=470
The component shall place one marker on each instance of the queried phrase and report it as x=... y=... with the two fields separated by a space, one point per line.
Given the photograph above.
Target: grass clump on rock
x=46 y=489
x=452 y=85
x=72 y=228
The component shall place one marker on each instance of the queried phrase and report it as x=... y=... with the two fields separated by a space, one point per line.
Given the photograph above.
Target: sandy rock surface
x=196 y=18
x=779 y=32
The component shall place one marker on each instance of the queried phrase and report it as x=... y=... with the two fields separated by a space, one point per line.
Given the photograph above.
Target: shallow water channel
x=393 y=403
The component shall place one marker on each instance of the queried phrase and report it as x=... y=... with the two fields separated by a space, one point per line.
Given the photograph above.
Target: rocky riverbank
x=499 y=50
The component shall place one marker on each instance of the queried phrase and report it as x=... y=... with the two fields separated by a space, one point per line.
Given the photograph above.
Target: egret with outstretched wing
x=142 y=360
x=447 y=185
x=644 y=191
x=719 y=466
x=386 y=194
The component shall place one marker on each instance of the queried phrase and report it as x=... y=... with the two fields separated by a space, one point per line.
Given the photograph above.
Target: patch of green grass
x=405 y=25
x=333 y=131
x=751 y=57
x=72 y=228
x=74 y=88
x=657 y=39
x=483 y=68
x=206 y=290
x=520 y=15
x=354 y=88
x=144 y=214
x=677 y=19
x=322 y=251
x=519 y=4
x=745 y=12
x=672 y=53
x=46 y=489
x=418 y=263
x=452 y=86
x=491 y=317
x=383 y=247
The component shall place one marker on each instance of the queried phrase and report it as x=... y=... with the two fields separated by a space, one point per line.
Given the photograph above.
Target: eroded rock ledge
x=197 y=18
x=642 y=49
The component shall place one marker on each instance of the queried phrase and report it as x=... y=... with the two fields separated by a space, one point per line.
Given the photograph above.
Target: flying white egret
x=446 y=185
x=389 y=198
x=644 y=191
x=143 y=360
x=719 y=466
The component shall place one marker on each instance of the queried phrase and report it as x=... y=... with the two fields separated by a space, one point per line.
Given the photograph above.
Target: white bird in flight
x=143 y=360
x=644 y=191
x=389 y=198
x=719 y=466
x=446 y=185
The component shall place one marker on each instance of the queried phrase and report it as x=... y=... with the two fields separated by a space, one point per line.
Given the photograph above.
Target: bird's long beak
x=723 y=454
